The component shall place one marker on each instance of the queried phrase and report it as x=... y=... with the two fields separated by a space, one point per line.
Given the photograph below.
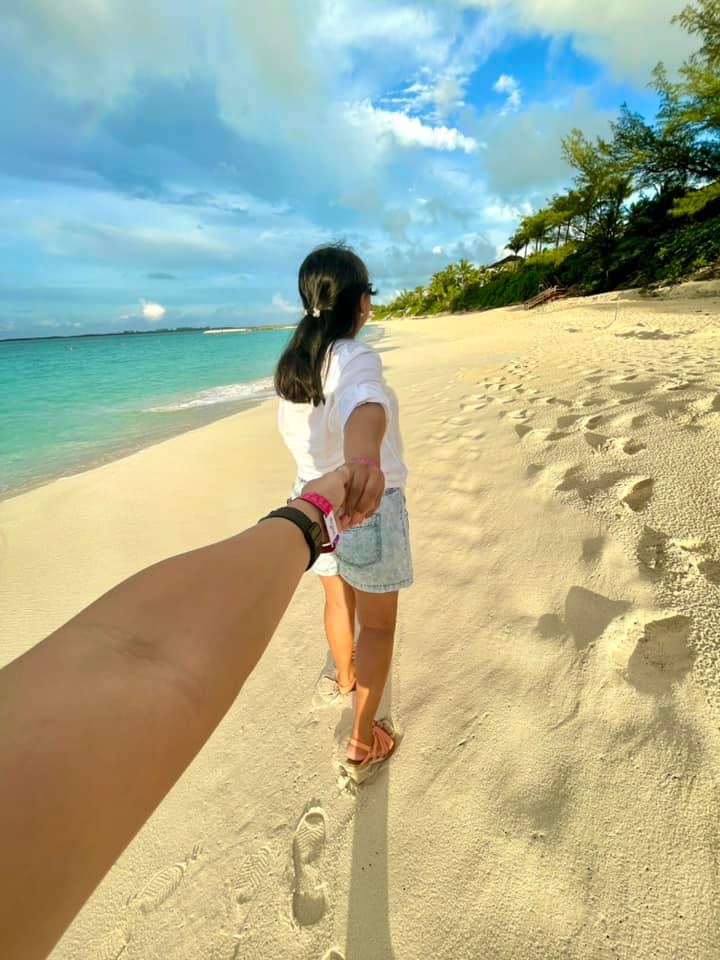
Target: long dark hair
x=331 y=282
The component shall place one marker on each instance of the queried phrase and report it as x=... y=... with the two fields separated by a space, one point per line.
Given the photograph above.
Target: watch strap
x=310 y=529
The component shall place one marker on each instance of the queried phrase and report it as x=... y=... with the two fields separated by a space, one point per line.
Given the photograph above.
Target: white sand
x=556 y=791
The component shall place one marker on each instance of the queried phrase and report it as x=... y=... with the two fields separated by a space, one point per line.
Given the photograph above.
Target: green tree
x=656 y=156
x=603 y=185
x=690 y=106
x=694 y=101
x=518 y=241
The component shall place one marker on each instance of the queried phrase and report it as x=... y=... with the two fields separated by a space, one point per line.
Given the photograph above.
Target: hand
x=333 y=487
x=365 y=490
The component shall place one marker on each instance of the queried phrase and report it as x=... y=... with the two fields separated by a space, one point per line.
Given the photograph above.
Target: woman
x=335 y=407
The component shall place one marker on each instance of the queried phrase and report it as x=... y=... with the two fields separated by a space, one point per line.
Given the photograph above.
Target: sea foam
x=229 y=393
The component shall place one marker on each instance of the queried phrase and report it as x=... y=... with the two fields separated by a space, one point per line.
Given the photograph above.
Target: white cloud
x=434 y=96
x=348 y=24
x=524 y=149
x=408 y=131
x=159 y=245
x=496 y=212
x=283 y=305
x=438 y=251
x=630 y=37
x=506 y=83
x=152 y=311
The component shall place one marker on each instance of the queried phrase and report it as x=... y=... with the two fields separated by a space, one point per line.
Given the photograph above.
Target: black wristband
x=311 y=530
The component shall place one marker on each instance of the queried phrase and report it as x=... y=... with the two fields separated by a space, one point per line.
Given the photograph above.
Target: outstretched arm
x=364 y=432
x=100 y=719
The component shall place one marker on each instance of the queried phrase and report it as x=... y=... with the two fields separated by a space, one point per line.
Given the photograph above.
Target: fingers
x=364 y=493
x=372 y=494
x=355 y=491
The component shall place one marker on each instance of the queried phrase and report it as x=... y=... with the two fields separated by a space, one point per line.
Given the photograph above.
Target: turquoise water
x=69 y=404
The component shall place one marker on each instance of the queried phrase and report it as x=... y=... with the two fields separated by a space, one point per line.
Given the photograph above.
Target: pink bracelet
x=370 y=463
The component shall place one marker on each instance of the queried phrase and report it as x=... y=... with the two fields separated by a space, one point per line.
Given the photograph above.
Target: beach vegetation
x=643 y=208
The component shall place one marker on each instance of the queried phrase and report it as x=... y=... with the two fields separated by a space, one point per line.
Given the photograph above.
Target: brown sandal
x=381 y=749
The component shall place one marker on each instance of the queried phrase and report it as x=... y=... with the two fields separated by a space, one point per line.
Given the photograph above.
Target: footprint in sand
x=669 y=409
x=701 y=559
x=164 y=884
x=602 y=444
x=638 y=494
x=597 y=441
x=567 y=421
x=673 y=385
x=628 y=445
x=651 y=550
x=635 y=388
x=326 y=691
x=587 y=614
x=656 y=552
x=309 y=893
x=470 y=438
x=587 y=489
x=654 y=651
x=251 y=875
x=114 y=944
x=592 y=548
x=639 y=421
x=333 y=955
x=710 y=569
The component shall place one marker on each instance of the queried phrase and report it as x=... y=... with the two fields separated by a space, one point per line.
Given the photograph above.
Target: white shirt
x=315 y=435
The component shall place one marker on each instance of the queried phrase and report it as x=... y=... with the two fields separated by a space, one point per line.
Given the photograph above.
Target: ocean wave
x=230 y=393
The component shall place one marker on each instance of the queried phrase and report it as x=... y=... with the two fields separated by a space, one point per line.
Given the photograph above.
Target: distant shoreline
x=145 y=333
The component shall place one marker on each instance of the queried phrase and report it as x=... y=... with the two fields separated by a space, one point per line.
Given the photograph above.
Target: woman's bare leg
x=376 y=614
x=340 y=627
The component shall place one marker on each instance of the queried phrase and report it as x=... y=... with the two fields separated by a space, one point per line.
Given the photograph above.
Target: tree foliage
x=644 y=205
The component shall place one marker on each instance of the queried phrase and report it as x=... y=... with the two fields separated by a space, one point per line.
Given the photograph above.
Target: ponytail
x=331 y=282
x=298 y=377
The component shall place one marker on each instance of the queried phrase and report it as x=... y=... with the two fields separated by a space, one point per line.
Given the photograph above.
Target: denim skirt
x=374 y=557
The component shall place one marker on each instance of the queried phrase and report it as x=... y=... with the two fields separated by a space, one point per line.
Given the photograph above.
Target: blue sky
x=170 y=163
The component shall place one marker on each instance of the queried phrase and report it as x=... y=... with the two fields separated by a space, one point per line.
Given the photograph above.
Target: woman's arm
x=361 y=399
x=100 y=719
x=364 y=432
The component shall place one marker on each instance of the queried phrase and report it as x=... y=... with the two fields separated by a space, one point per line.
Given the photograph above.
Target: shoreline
x=123 y=453
x=375 y=335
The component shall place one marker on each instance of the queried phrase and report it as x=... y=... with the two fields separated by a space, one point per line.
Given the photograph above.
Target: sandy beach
x=556 y=792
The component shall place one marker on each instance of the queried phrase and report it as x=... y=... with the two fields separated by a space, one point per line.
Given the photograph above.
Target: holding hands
x=354 y=490
x=365 y=489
